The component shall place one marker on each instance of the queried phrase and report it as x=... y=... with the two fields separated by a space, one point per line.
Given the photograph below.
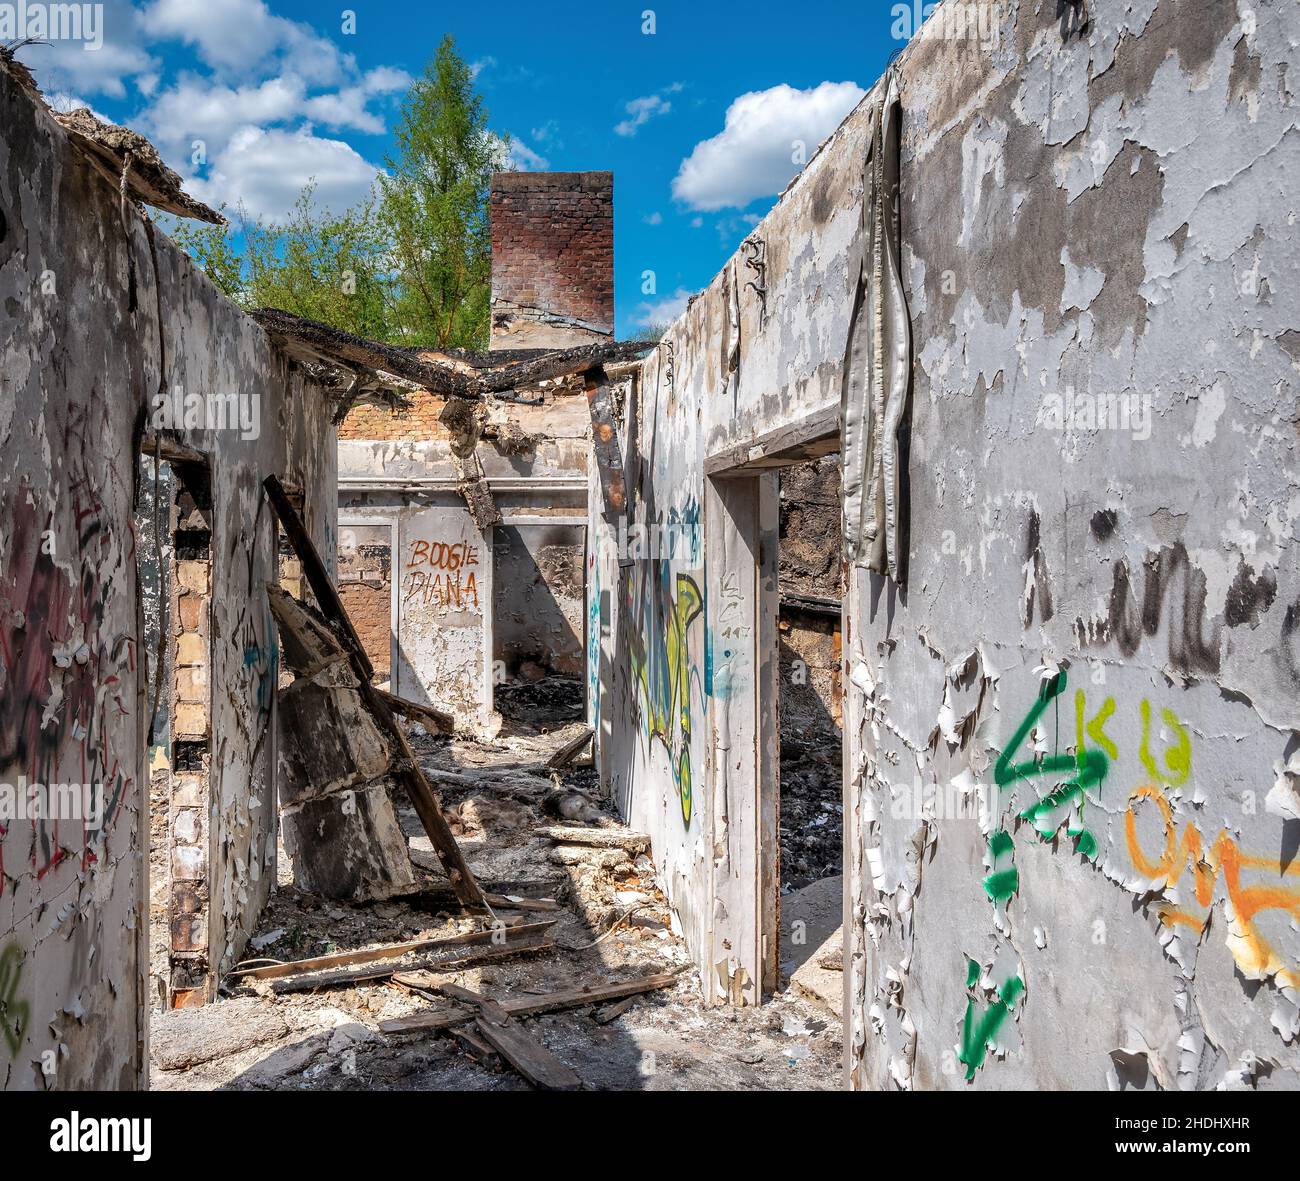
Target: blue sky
x=697 y=121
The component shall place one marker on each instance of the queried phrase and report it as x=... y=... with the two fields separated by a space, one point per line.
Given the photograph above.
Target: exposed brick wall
x=552 y=258
x=421 y=422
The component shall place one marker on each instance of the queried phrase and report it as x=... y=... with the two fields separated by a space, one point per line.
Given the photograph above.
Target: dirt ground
x=613 y=925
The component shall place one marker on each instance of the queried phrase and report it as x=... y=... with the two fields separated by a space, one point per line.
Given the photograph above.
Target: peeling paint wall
x=686 y=598
x=99 y=319
x=1071 y=738
x=1074 y=733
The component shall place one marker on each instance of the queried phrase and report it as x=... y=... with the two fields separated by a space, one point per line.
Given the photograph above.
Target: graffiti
x=1166 y=763
x=978 y=1037
x=1253 y=955
x=62 y=680
x=1194 y=646
x=661 y=669
x=725 y=635
x=14 y=1013
x=1067 y=801
x=442 y=574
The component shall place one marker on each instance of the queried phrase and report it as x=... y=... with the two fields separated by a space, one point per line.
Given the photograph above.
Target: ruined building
x=973 y=468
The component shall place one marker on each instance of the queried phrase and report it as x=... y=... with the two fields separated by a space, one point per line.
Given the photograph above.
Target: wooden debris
x=435 y=720
x=471 y=958
x=570 y=750
x=317 y=343
x=529 y=1057
x=474 y=1045
x=343 y=959
x=572 y=998
x=407 y=769
x=600 y=838
x=613 y=1012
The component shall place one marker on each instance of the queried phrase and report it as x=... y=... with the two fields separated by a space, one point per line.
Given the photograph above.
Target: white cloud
x=71 y=66
x=199 y=109
x=753 y=155
x=641 y=110
x=653 y=219
x=652 y=313
x=522 y=158
x=238 y=36
x=266 y=170
x=483 y=63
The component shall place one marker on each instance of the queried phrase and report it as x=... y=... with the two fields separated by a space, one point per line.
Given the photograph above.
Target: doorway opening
x=811 y=589
x=538 y=614
x=174 y=546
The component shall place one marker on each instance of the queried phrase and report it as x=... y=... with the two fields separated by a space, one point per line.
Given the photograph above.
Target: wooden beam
x=572 y=998
x=406 y=767
x=426 y=715
x=529 y=1057
x=471 y=957
x=344 y=959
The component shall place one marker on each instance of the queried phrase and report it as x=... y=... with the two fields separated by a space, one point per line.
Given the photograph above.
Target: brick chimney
x=552 y=259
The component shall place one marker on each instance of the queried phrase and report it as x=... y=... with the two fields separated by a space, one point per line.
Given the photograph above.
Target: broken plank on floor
x=528 y=1056
x=310 y=981
x=344 y=959
x=571 y=998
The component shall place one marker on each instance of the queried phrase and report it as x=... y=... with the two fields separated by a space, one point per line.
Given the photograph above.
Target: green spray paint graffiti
x=1088 y=767
x=14 y=1013
x=660 y=660
x=978 y=1037
x=1065 y=803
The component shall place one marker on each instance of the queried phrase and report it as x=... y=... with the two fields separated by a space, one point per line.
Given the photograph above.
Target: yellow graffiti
x=664 y=685
x=1178 y=758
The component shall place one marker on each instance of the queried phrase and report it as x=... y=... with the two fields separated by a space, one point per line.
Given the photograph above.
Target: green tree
x=213 y=249
x=412 y=263
x=434 y=207
x=322 y=265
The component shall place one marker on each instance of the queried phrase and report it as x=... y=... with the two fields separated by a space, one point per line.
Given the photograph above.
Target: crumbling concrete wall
x=1071 y=737
x=687 y=630
x=106 y=316
x=1074 y=732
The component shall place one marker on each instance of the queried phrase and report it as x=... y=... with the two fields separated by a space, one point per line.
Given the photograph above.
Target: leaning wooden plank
x=407 y=769
x=529 y=1057
x=441 y=721
x=344 y=959
x=310 y=981
x=570 y=750
x=599 y=838
x=573 y=998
